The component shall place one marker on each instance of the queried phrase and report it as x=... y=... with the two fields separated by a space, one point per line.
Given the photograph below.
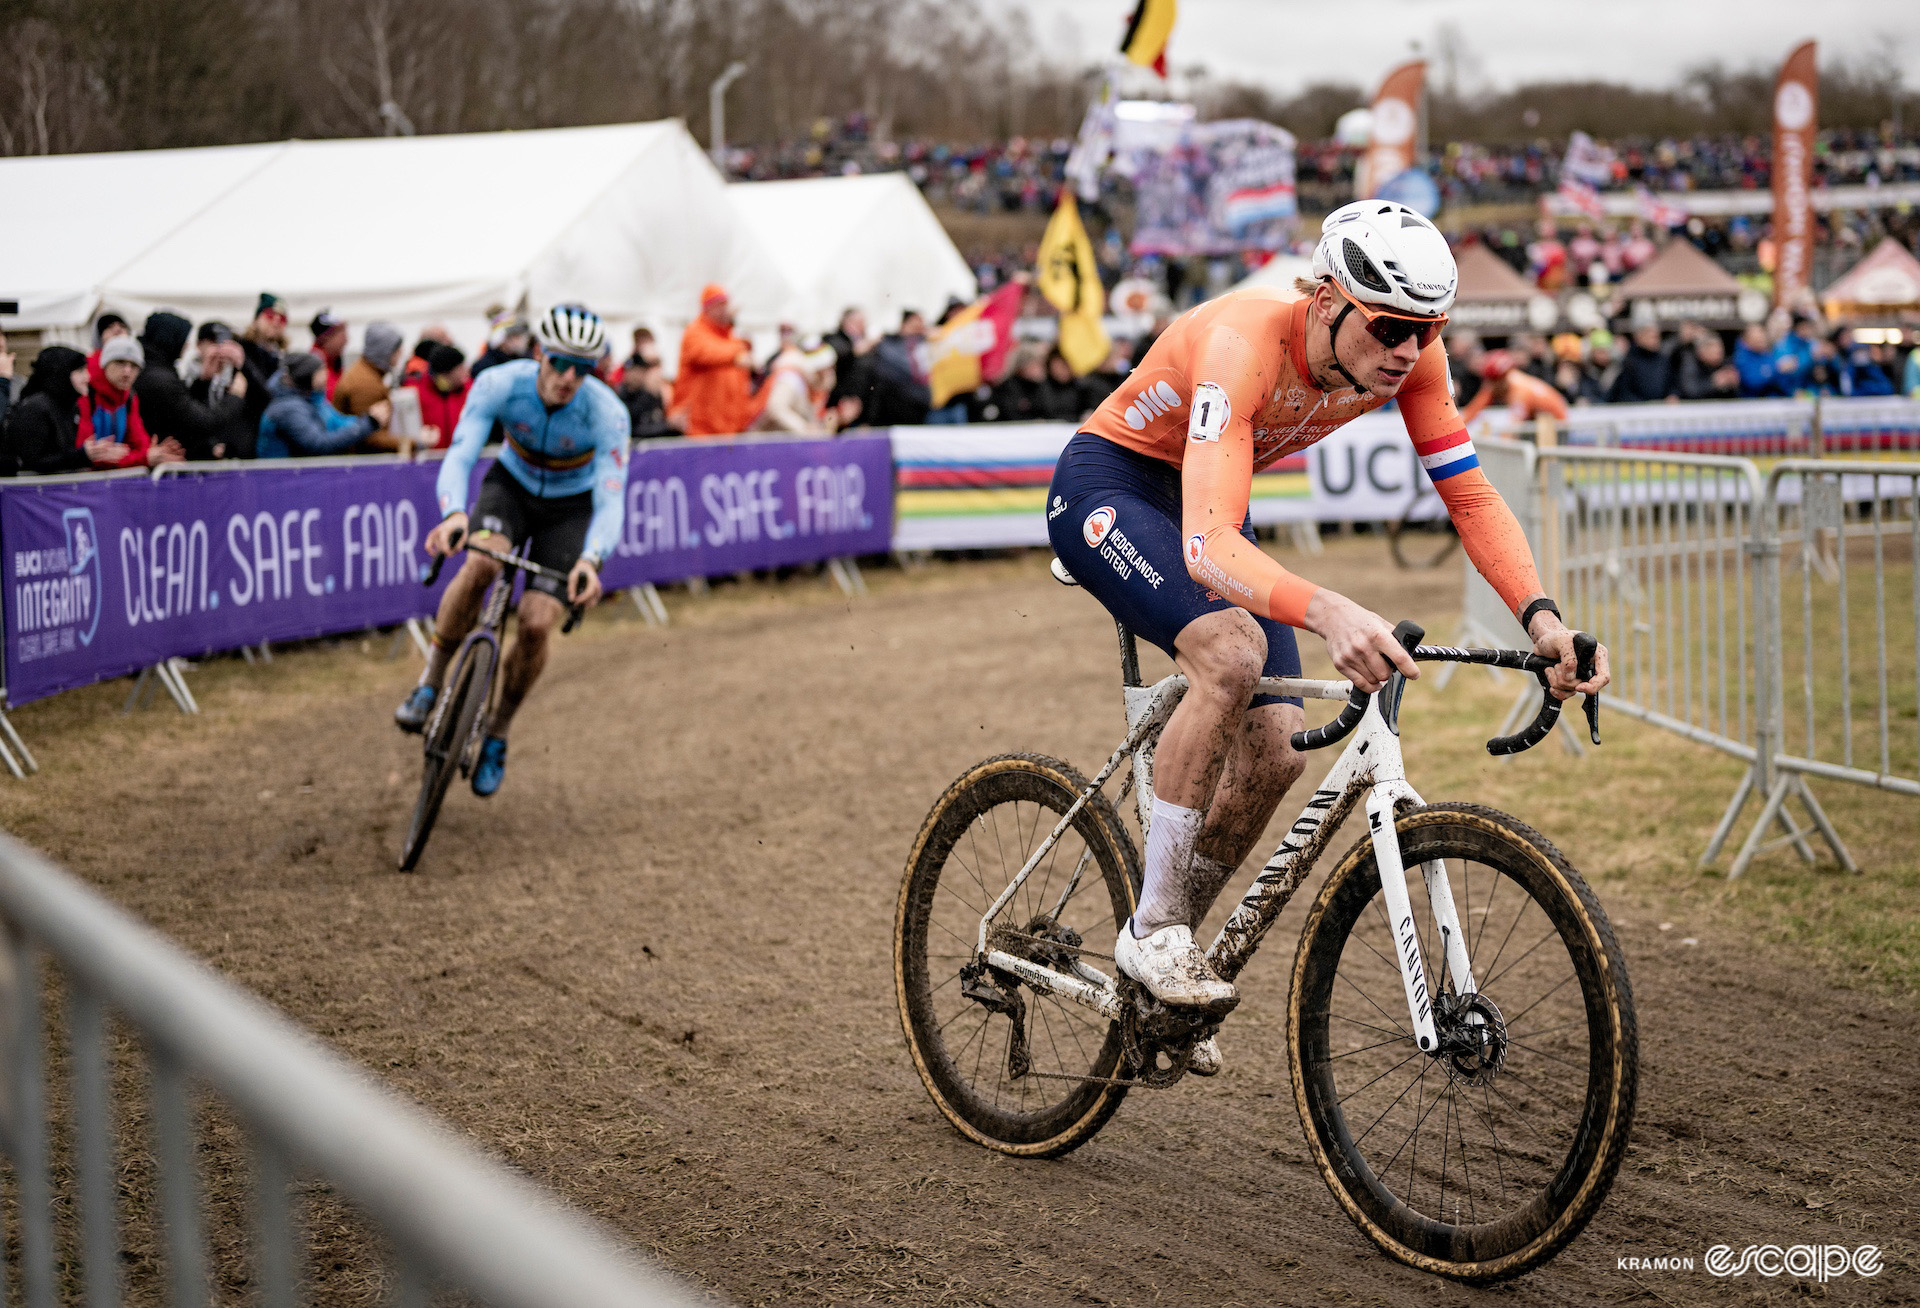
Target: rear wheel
x=447 y=736
x=1485 y=1159
x=1016 y=1069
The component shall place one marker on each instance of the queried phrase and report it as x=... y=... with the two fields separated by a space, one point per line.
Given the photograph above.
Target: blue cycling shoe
x=491 y=770
x=412 y=715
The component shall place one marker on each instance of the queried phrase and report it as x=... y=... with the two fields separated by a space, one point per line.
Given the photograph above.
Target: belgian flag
x=1147 y=32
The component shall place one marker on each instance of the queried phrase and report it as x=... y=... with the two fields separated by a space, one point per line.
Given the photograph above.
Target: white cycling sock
x=1165 y=893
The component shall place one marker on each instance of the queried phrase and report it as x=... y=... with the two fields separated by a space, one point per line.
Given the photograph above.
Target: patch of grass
x=1637 y=813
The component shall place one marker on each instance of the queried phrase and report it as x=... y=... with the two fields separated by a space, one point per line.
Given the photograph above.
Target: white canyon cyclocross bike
x=1462 y=1044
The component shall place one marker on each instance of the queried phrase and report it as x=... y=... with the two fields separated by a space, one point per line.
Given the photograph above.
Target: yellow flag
x=1147 y=31
x=1070 y=280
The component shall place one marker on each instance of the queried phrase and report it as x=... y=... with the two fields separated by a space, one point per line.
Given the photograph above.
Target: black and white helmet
x=1385 y=254
x=571 y=329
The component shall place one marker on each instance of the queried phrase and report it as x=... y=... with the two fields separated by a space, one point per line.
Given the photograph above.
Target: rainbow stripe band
x=1447 y=456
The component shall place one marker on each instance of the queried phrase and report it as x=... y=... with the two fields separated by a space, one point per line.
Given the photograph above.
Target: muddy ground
x=654 y=972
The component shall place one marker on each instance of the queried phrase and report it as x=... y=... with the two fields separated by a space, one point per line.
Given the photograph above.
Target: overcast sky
x=1288 y=43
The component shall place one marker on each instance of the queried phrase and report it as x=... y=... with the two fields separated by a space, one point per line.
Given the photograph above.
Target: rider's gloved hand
x=1360 y=642
x=1552 y=639
x=446 y=538
x=583 y=583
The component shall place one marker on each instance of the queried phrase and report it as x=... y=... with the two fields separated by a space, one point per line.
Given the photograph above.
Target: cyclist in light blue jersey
x=558 y=481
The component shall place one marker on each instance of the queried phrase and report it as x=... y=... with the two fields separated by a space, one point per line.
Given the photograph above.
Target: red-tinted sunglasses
x=1391 y=328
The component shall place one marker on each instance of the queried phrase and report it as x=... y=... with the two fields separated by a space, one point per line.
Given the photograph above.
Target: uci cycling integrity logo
x=1094 y=530
x=56 y=592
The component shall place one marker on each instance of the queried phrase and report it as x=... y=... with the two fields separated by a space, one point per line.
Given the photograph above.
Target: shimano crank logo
x=1805 y=1262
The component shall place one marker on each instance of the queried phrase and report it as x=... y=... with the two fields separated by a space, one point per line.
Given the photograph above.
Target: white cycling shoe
x=1205 y=1059
x=1173 y=969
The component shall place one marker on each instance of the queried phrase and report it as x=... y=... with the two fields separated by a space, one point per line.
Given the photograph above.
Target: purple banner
x=107 y=577
x=708 y=508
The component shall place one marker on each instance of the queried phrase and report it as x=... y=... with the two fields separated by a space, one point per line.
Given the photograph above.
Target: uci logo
x=83 y=553
x=1098 y=524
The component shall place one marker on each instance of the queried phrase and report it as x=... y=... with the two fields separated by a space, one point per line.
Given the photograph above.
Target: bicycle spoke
x=1578 y=1067
x=1509 y=936
x=1364 y=1048
x=1383 y=1076
x=1376 y=1007
x=1553 y=933
x=1541 y=1000
x=1342 y=1017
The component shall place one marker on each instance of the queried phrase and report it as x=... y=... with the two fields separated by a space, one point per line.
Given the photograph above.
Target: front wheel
x=1484 y=1159
x=1014 y=1068
x=447 y=736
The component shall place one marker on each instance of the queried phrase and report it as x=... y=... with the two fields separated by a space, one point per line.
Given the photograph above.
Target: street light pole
x=717 y=111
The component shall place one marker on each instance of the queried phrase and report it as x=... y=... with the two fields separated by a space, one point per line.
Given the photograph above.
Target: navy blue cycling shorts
x=1114 y=519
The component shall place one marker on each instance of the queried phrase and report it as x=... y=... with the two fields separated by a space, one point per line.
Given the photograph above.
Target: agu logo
x=1196 y=546
x=1094 y=530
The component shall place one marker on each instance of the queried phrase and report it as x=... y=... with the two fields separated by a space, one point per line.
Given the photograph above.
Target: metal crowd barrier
x=1809 y=427
x=454 y=1221
x=1774 y=618
x=1837 y=544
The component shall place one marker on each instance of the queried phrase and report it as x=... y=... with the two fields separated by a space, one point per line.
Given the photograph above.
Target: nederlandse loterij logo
x=1098 y=524
x=1817 y=1262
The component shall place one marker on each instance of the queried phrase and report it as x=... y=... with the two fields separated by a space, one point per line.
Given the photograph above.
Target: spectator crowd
x=1788 y=355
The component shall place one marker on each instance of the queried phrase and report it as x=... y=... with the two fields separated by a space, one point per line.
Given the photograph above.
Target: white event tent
x=631 y=219
x=69 y=222
x=868 y=242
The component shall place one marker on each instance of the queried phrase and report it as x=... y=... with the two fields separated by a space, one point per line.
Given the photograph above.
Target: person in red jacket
x=714 y=390
x=110 y=412
x=443 y=392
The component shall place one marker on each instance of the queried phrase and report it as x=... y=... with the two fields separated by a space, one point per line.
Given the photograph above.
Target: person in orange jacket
x=715 y=387
x=1505 y=383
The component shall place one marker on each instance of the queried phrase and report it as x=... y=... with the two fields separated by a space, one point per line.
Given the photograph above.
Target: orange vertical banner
x=1796 y=116
x=1396 y=130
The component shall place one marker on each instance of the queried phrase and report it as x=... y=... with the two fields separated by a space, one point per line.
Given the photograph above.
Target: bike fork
x=1381 y=803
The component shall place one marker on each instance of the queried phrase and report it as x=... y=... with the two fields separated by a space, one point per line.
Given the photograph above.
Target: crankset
x=1158 y=1039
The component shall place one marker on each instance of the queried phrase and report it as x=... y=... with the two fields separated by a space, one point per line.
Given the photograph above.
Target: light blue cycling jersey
x=580 y=447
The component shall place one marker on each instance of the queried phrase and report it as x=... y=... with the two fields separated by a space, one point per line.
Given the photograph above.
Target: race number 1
x=1211 y=413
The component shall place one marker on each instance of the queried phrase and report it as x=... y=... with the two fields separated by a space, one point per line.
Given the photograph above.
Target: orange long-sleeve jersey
x=1226 y=391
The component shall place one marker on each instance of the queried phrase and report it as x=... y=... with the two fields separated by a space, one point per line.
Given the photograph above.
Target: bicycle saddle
x=1060 y=573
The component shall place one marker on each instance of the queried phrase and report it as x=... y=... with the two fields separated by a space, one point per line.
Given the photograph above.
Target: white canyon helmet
x=1387 y=256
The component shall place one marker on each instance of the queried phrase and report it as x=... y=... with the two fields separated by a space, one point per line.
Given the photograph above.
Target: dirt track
x=655 y=971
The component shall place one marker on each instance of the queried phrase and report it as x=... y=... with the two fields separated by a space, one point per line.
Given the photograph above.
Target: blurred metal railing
x=454 y=1221
x=1775 y=619
x=1808 y=427
x=1846 y=537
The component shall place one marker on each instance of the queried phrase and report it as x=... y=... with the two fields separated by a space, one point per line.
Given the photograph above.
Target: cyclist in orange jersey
x=1522 y=392
x=1148 y=511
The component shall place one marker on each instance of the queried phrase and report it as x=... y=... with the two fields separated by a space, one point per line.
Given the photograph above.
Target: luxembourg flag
x=1259 y=204
x=1447 y=456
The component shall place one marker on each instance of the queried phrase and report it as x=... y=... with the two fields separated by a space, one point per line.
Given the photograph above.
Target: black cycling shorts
x=557 y=526
x=1114 y=519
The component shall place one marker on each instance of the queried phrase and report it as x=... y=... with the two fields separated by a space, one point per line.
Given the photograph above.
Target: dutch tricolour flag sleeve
x=1447 y=456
